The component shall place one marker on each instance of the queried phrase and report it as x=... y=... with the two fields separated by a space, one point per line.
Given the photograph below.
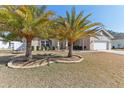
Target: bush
x=77 y=47
x=53 y=48
x=37 y=48
x=47 y=48
x=32 y=48
x=42 y=47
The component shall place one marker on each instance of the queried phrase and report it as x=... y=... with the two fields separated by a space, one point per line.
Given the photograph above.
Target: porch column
x=109 y=46
x=35 y=48
x=66 y=45
x=58 y=45
x=83 y=45
x=39 y=44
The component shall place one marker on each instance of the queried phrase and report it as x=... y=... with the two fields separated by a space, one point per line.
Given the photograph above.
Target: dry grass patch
x=97 y=70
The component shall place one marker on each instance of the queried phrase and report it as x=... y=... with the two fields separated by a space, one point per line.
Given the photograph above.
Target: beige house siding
x=55 y=43
x=84 y=43
x=59 y=44
x=87 y=43
x=36 y=42
x=78 y=43
x=102 y=38
x=63 y=44
x=91 y=43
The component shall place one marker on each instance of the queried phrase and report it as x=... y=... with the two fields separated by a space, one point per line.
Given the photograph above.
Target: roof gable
x=106 y=33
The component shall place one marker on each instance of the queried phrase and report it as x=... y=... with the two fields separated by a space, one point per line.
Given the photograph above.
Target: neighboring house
x=13 y=45
x=4 y=45
x=118 y=41
x=102 y=42
x=17 y=45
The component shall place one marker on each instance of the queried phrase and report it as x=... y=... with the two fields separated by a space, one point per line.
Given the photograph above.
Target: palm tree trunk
x=28 y=49
x=70 y=48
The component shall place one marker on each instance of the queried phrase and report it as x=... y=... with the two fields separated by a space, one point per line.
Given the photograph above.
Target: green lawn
x=97 y=70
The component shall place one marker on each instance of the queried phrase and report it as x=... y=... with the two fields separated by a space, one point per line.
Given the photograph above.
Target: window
x=45 y=43
x=119 y=45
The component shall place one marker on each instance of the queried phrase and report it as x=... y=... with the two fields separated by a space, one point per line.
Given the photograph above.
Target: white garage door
x=100 y=45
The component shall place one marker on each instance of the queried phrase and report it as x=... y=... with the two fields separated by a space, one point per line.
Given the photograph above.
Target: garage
x=100 y=45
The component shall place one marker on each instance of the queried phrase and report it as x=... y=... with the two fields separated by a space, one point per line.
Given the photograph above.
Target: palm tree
x=74 y=27
x=25 y=22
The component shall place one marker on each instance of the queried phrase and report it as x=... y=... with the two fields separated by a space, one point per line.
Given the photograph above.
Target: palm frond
x=74 y=27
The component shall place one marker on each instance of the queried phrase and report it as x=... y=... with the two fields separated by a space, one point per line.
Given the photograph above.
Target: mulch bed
x=42 y=60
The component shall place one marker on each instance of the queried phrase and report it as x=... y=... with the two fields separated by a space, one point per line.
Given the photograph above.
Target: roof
x=106 y=32
x=119 y=36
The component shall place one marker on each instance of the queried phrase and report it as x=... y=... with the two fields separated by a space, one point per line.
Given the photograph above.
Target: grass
x=97 y=70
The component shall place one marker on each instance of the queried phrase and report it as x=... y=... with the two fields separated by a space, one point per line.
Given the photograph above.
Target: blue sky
x=110 y=16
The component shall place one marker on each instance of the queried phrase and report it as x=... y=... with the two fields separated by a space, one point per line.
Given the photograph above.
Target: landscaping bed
x=42 y=60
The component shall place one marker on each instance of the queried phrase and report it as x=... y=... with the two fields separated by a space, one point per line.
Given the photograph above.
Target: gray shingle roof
x=120 y=36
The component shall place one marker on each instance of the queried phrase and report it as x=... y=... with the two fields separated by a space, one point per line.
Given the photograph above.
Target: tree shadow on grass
x=5 y=59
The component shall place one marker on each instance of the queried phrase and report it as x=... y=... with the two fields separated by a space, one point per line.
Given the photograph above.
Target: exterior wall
x=55 y=43
x=36 y=42
x=91 y=43
x=78 y=42
x=4 y=45
x=84 y=43
x=17 y=45
x=13 y=45
x=101 y=38
x=118 y=43
x=87 y=43
x=59 y=44
x=109 y=45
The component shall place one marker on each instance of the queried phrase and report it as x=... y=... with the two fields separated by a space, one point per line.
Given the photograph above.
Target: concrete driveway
x=113 y=51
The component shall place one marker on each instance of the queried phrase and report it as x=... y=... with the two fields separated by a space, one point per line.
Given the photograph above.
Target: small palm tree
x=25 y=22
x=74 y=27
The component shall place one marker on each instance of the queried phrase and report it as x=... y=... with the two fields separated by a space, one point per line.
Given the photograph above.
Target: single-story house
x=101 y=42
x=118 y=41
